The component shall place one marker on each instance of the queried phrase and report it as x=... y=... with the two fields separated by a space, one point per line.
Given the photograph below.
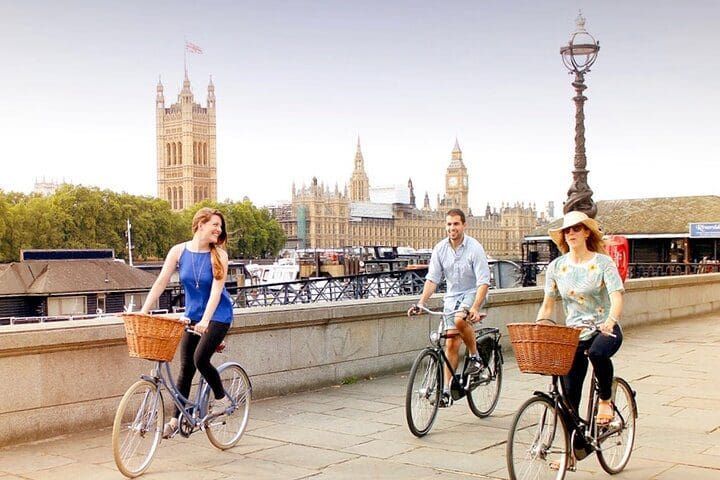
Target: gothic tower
x=186 y=151
x=359 y=183
x=456 y=182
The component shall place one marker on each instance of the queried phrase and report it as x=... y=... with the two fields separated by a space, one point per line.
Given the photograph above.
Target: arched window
x=195 y=153
x=179 y=153
x=205 y=154
x=174 y=154
x=180 y=198
x=168 y=157
x=169 y=196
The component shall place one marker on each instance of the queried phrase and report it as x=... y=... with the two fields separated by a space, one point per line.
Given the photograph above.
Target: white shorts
x=450 y=304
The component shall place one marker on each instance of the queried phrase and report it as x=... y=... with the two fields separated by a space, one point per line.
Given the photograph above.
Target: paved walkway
x=358 y=431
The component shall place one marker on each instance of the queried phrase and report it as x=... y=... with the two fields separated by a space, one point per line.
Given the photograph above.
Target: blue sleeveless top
x=196 y=276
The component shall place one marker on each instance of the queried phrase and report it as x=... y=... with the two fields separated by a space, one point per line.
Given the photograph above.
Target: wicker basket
x=544 y=349
x=152 y=337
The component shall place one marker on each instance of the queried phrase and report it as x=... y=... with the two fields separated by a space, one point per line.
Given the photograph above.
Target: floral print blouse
x=583 y=287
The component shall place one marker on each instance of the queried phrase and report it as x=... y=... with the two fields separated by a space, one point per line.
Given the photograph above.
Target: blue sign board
x=705 y=230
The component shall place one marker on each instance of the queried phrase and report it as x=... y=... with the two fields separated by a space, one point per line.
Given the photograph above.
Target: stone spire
x=456 y=160
x=160 y=98
x=186 y=95
x=359 y=183
x=211 y=94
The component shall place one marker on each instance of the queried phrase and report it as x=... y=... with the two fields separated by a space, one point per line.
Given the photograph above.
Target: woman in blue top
x=202 y=267
x=588 y=282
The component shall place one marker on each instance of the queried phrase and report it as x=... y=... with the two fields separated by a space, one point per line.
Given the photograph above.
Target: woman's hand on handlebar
x=606 y=328
x=201 y=327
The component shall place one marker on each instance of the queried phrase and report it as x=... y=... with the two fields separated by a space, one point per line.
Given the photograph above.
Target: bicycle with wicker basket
x=139 y=420
x=548 y=436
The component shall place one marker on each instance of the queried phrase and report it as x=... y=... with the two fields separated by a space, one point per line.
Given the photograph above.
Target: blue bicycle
x=140 y=417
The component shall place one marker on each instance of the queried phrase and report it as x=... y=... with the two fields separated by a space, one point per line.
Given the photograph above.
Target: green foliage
x=85 y=217
x=349 y=380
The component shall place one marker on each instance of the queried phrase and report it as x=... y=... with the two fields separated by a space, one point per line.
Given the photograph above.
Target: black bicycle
x=548 y=436
x=427 y=379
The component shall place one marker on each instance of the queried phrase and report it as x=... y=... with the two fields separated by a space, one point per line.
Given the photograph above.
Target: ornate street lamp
x=578 y=56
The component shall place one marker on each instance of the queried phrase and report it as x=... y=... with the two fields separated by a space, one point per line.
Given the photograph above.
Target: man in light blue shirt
x=462 y=261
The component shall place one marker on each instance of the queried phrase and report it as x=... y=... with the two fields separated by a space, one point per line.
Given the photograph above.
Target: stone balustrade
x=63 y=377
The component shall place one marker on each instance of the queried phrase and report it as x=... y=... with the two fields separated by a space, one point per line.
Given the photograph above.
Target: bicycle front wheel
x=538 y=445
x=137 y=428
x=422 y=397
x=225 y=431
x=484 y=397
x=617 y=439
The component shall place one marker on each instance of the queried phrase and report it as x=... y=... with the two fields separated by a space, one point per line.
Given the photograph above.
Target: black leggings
x=599 y=350
x=195 y=353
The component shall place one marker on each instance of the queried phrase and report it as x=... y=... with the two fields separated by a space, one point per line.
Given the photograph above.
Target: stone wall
x=69 y=376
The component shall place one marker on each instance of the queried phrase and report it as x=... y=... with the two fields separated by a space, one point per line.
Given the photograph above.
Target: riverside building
x=320 y=217
x=186 y=152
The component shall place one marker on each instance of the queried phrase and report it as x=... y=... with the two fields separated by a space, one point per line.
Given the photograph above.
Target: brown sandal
x=605 y=413
x=570 y=467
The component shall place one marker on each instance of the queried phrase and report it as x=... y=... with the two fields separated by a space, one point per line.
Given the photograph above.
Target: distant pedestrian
x=202 y=266
x=462 y=261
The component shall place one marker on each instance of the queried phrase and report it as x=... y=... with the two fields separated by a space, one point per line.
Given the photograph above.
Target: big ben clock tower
x=456 y=182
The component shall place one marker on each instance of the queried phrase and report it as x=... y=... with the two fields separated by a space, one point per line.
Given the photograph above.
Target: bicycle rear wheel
x=137 y=428
x=225 y=431
x=422 y=397
x=538 y=445
x=617 y=439
x=484 y=397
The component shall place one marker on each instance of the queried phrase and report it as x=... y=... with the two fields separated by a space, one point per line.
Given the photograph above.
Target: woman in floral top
x=589 y=285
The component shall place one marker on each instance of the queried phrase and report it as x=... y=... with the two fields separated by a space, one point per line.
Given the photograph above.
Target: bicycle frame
x=166 y=380
x=581 y=428
x=439 y=347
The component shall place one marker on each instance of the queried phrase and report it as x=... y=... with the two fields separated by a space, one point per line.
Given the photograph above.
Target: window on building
x=135 y=301
x=101 y=303
x=67 y=305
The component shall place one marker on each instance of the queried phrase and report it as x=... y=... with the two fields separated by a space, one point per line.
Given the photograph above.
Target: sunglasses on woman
x=574 y=228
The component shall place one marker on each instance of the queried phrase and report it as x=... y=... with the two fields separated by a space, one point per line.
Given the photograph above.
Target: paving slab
x=358 y=431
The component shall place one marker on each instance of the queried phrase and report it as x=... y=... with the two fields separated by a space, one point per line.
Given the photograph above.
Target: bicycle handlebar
x=189 y=328
x=423 y=308
x=585 y=324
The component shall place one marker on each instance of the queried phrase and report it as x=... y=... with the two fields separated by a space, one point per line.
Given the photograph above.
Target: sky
x=297 y=82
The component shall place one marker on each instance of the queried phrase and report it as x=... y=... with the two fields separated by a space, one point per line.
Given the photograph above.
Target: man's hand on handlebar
x=474 y=316
x=414 y=310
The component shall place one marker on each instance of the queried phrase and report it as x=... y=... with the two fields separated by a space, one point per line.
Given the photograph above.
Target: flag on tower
x=192 y=48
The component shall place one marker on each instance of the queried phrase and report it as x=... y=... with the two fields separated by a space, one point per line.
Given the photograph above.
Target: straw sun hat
x=570 y=219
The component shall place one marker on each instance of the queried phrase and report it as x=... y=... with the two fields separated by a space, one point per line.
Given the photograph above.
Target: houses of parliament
x=317 y=216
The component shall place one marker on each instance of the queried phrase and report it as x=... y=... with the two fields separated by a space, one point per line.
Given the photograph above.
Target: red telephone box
x=618 y=249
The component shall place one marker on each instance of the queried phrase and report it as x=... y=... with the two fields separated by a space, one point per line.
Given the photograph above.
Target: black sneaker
x=445 y=400
x=474 y=366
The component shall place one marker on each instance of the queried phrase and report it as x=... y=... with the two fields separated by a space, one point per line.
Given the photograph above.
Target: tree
x=86 y=217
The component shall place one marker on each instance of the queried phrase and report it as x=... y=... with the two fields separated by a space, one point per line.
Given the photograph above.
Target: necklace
x=197 y=274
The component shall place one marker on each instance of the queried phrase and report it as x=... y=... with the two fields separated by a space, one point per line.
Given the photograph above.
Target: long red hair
x=203 y=216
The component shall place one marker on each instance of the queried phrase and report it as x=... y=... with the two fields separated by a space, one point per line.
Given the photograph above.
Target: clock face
x=452 y=181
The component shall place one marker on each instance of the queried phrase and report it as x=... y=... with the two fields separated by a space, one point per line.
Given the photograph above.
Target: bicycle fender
x=540 y=393
x=236 y=364
x=634 y=394
x=227 y=364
